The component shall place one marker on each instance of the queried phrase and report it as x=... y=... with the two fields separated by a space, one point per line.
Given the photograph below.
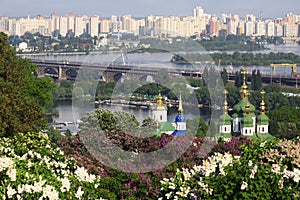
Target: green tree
x=224 y=76
x=198 y=125
x=21 y=98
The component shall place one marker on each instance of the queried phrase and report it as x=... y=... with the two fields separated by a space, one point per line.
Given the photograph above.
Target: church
x=160 y=116
x=243 y=121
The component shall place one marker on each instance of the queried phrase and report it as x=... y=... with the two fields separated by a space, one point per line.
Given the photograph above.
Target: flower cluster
x=192 y=182
x=30 y=168
x=265 y=170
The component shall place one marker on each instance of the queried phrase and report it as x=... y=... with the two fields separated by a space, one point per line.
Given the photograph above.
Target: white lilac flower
x=250 y=163
x=12 y=173
x=82 y=175
x=50 y=192
x=172 y=186
x=244 y=185
x=262 y=144
x=79 y=193
x=5 y=162
x=20 y=189
x=38 y=186
x=10 y=192
x=296 y=177
x=65 y=185
x=288 y=174
x=183 y=191
x=186 y=174
x=205 y=187
x=280 y=183
x=253 y=172
x=168 y=195
x=275 y=168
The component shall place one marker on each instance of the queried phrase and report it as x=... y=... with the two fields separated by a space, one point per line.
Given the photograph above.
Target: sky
x=142 y=8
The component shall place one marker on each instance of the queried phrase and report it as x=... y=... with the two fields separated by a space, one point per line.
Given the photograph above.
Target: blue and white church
x=160 y=116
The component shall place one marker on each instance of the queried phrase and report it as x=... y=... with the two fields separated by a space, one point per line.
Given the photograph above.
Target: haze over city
x=138 y=8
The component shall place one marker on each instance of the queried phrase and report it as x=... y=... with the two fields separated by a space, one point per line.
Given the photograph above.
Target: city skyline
x=137 y=8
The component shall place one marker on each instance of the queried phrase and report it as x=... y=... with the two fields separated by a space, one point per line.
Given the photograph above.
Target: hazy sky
x=141 y=8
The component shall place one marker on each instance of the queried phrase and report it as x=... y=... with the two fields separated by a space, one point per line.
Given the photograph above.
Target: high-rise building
x=290 y=30
x=4 y=24
x=39 y=24
x=232 y=25
x=63 y=25
x=278 y=30
x=71 y=22
x=94 y=26
x=80 y=25
x=270 y=28
x=198 y=12
x=249 y=28
x=250 y=18
x=260 y=29
x=214 y=26
x=54 y=22
x=105 y=25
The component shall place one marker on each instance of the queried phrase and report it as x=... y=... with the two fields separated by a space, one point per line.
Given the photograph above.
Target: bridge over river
x=65 y=70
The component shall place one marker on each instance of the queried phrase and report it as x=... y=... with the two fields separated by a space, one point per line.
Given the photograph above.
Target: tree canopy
x=22 y=95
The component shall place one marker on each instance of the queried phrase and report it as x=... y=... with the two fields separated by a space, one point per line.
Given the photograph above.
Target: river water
x=69 y=112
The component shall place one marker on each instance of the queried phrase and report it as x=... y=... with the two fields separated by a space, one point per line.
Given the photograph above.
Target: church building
x=243 y=120
x=160 y=116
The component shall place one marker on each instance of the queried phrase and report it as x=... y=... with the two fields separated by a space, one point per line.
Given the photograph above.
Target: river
x=69 y=112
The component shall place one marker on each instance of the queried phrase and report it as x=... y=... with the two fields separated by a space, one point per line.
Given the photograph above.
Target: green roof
x=262 y=119
x=247 y=121
x=165 y=127
x=240 y=108
x=225 y=119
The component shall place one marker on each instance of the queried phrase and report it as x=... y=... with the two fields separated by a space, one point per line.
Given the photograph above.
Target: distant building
x=243 y=121
x=160 y=116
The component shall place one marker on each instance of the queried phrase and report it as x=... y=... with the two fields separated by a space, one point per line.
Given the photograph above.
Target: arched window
x=263 y=129
x=245 y=131
x=161 y=117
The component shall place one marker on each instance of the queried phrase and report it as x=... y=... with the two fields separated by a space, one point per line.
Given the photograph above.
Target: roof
x=247 y=121
x=225 y=119
x=262 y=119
x=240 y=108
x=166 y=126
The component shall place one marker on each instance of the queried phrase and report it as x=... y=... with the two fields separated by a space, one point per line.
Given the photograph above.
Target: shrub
x=31 y=168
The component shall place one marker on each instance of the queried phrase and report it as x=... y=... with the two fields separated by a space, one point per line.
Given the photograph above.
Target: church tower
x=180 y=121
x=225 y=119
x=244 y=109
x=159 y=111
x=262 y=118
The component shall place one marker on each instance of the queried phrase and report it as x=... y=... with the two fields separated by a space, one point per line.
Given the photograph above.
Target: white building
x=260 y=29
x=290 y=30
x=270 y=28
x=278 y=30
x=249 y=28
x=94 y=26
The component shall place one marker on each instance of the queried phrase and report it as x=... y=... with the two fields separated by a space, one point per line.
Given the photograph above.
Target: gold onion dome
x=240 y=108
x=225 y=119
x=159 y=103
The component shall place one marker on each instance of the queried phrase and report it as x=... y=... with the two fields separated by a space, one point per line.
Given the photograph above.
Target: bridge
x=65 y=70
